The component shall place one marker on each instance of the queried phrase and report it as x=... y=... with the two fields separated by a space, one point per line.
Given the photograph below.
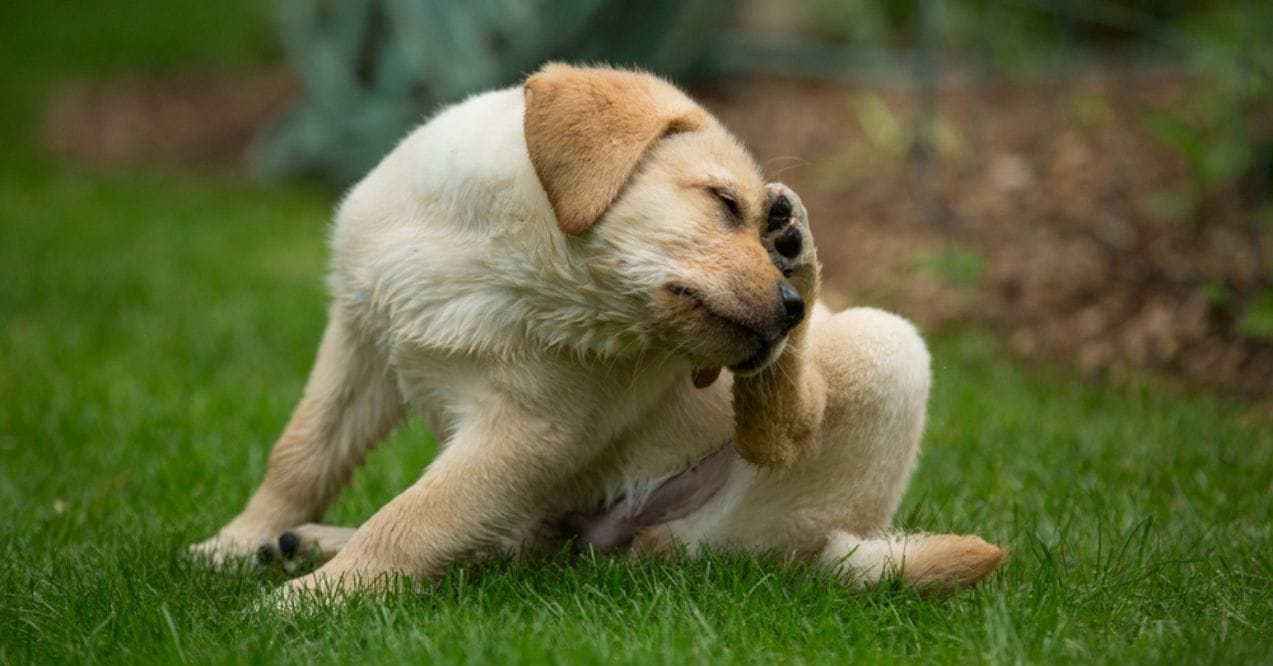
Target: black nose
x=792 y=306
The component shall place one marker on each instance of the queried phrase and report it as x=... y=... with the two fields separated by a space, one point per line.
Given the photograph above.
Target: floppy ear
x=587 y=129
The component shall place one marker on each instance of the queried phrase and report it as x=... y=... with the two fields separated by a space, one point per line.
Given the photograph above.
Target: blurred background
x=1071 y=198
x=1090 y=179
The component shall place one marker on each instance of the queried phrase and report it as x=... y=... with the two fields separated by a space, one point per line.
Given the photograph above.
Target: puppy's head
x=666 y=208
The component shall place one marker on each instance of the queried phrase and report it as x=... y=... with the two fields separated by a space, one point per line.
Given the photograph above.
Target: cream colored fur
x=541 y=292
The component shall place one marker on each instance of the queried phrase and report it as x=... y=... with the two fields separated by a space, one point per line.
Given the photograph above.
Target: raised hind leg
x=833 y=428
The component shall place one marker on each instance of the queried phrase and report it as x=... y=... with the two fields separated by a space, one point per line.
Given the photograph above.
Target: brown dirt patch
x=1048 y=198
x=198 y=119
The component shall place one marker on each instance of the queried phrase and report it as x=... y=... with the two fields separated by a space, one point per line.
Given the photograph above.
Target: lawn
x=157 y=328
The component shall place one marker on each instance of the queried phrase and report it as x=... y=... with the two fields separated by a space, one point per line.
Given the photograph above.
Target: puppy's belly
x=645 y=420
x=673 y=462
x=685 y=492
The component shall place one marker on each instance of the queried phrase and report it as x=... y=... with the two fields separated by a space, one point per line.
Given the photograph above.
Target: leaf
x=1176 y=135
x=958 y=267
x=880 y=126
x=1217 y=293
x=1257 y=321
x=1091 y=110
x=1224 y=161
x=1169 y=204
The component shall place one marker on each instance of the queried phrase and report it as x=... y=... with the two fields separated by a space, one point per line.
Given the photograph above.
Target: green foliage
x=1257 y=319
x=854 y=22
x=1221 y=132
x=890 y=139
x=1217 y=145
x=1220 y=129
x=1218 y=294
x=1090 y=109
x=956 y=266
x=1215 y=154
x=373 y=69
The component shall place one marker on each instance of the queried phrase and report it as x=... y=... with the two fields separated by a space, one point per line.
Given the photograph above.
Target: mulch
x=1031 y=211
x=199 y=119
x=1047 y=190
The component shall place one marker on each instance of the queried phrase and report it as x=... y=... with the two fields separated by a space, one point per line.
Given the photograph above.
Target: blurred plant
x=956 y=266
x=1015 y=37
x=890 y=139
x=1090 y=109
x=1257 y=319
x=1223 y=132
x=1215 y=153
x=372 y=68
x=854 y=22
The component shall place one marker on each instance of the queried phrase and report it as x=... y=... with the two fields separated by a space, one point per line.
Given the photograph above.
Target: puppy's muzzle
x=792 y=313
x=771 y=329
x=766 y=331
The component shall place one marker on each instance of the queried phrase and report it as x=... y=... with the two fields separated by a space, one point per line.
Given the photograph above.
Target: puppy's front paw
x=314 y=589
x=335 y=583
x=304 y=545
x=300 y=596
x=790 y=244
x=229 y=550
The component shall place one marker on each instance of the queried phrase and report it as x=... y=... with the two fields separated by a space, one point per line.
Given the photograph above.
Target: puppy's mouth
x=766 y=348
x=767 y=351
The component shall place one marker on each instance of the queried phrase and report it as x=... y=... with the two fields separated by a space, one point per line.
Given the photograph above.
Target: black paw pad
x=288 y=544
x=779 y=213
x=789 y=243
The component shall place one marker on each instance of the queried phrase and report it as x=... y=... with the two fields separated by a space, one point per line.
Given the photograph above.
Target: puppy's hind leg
x=351 y=401
x=878 y=369
x=831 y=504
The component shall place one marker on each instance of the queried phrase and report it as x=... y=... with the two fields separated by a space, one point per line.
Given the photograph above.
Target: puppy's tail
x=928 y=562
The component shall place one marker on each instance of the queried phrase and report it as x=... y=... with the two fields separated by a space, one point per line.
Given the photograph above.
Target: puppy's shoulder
x=434 y=245
x=468 y=150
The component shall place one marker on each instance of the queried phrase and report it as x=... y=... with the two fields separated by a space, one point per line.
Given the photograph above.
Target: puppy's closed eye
x=729 y=201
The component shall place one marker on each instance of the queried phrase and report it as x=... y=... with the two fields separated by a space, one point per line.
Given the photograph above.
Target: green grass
x=156 y=330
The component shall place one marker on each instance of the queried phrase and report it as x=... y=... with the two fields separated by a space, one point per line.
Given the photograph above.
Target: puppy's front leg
x=351 y=402
x=494 y=471
x=778 y=411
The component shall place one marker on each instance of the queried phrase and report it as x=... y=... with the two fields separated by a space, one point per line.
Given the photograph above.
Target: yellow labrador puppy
x=553 y=275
